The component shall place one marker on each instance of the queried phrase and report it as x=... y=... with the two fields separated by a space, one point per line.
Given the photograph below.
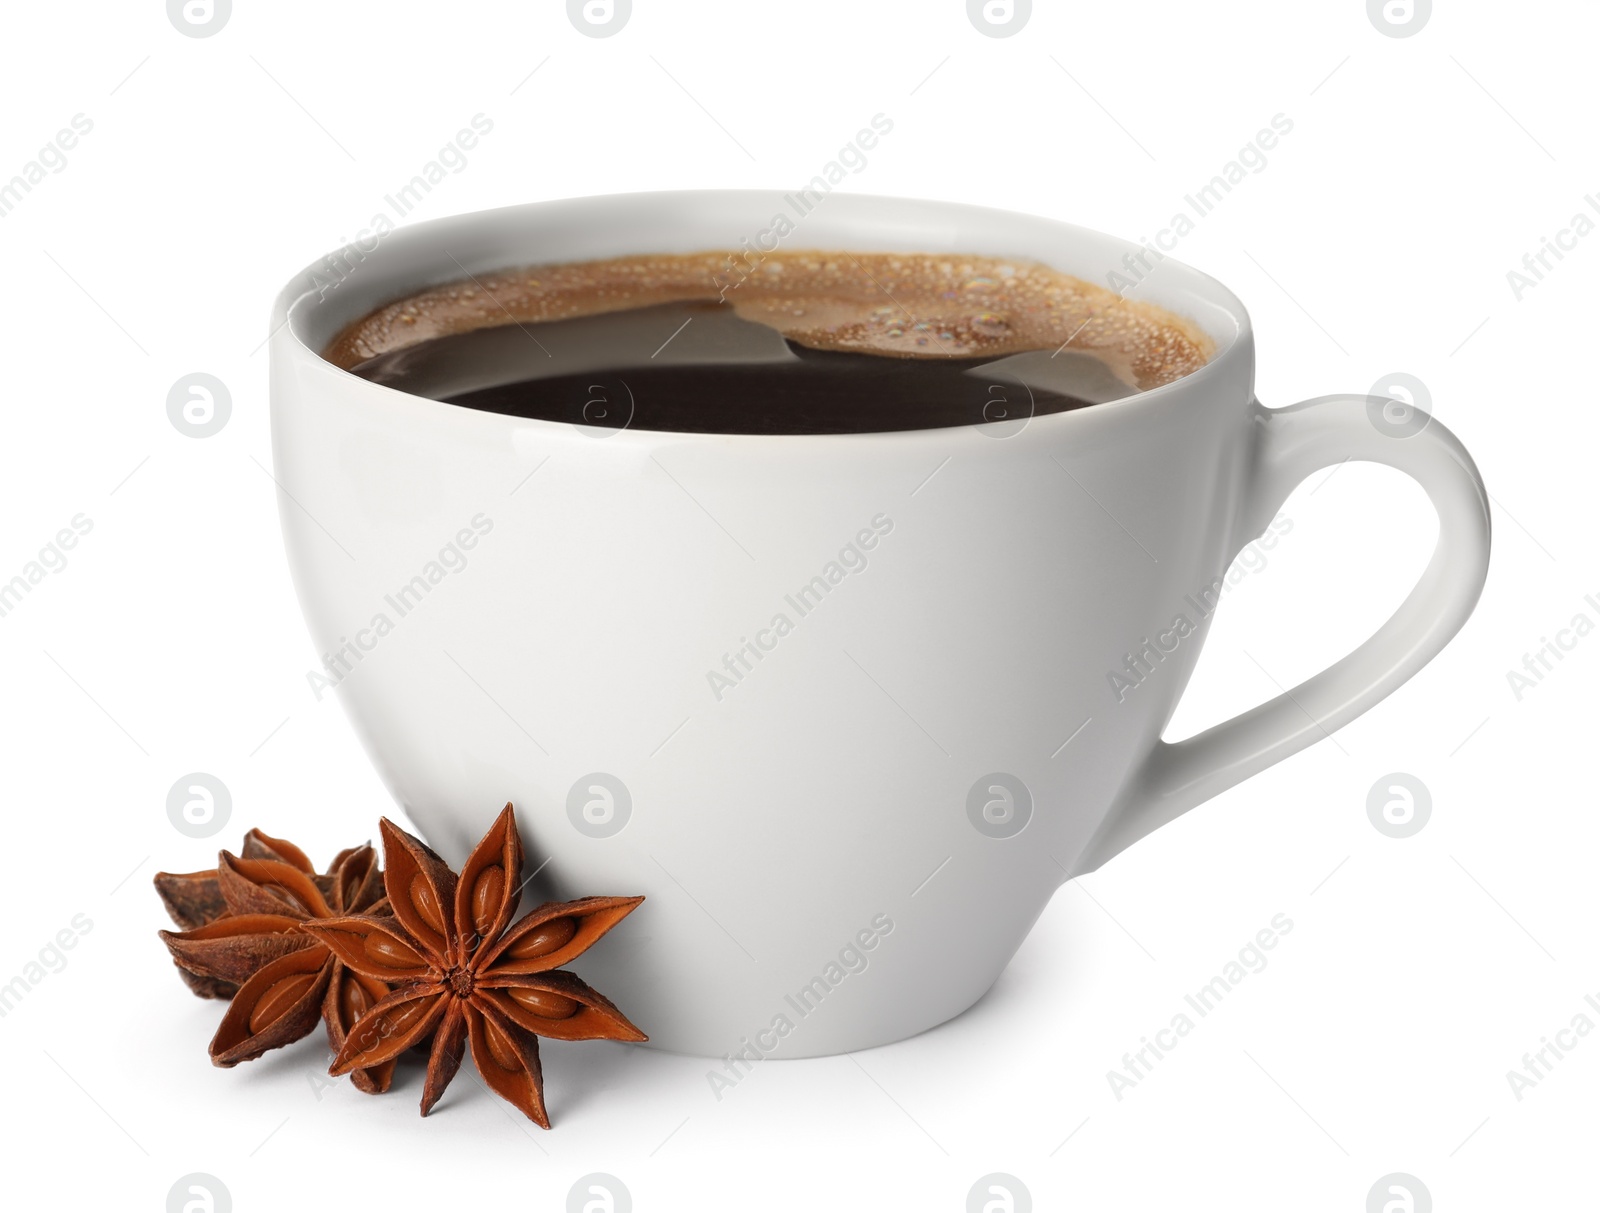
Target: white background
x=1377 y=240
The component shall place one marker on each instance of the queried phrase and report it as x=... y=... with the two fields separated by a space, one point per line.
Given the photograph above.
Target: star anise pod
x=194 y=899
x=462 y=975
x=284 y=978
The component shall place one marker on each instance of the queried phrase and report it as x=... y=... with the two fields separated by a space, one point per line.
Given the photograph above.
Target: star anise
x=462 y=975
x=283 y=978
x=194 y=899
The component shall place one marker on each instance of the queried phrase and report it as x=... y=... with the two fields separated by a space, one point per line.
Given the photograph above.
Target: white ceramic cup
x=846 y=843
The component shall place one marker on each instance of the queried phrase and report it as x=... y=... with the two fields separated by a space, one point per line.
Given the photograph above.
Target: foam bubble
x=906 y=305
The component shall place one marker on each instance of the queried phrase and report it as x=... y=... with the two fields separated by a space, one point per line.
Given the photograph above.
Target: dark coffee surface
x=698 y=367
x=790 y=341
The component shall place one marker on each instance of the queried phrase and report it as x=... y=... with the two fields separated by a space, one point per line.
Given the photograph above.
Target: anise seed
x=353 y=1000
x=280 y=998
x=426 y=903
x=544 y=1003
x=504 y=1054
x=486 y=892
x=390 y=952
x=544 y=940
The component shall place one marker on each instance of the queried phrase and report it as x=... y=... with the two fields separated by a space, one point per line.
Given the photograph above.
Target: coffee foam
x=905 y=305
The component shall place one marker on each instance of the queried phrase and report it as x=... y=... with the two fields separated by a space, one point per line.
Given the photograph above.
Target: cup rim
x=1211 y=306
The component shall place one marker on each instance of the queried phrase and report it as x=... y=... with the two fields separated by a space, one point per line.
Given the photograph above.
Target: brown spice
x=463 y=977
x=194 y=899
x=245 y=941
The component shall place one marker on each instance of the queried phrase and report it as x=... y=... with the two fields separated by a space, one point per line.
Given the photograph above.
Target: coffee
x=792 y=343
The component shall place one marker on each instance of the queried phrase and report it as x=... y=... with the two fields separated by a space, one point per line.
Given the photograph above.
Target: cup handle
x=1293 y=443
